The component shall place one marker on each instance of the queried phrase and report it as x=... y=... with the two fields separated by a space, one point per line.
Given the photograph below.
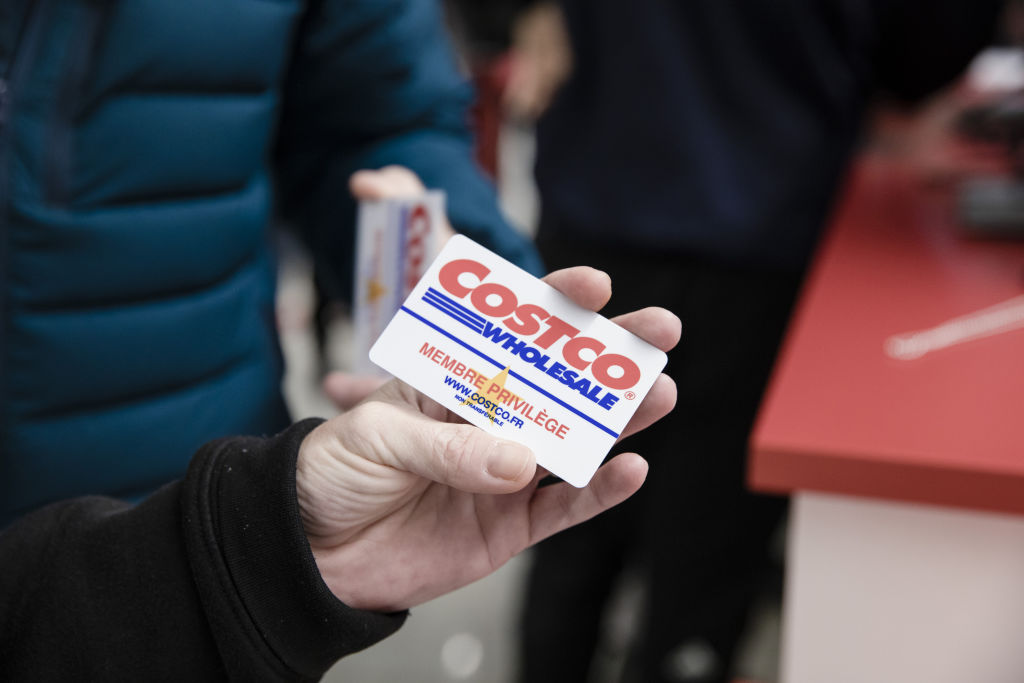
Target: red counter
x=905 y=551
x=842 y=416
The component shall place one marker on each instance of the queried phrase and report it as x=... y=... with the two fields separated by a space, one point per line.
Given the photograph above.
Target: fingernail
x=506 y=461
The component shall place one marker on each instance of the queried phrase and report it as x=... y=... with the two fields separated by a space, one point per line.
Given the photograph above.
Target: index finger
x=592 y=288
x=586 y=286
x=658 y=327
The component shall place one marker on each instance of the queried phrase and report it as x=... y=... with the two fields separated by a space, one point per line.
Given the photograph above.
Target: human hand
x=402 y=501
x=345 y=389
x=931 y=144
x=393 y=182
x=541 y=61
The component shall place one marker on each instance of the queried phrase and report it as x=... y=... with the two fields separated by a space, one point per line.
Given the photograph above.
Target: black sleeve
x=208 y=578
x=925 y=44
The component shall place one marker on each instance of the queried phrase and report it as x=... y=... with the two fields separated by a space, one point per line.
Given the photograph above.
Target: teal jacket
x=146 y=146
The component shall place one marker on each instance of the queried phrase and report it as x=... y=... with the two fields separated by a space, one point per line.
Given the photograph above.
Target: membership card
x=518 y=359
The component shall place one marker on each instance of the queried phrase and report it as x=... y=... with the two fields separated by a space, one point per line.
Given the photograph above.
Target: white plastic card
x=396 y=239
x=516 y=358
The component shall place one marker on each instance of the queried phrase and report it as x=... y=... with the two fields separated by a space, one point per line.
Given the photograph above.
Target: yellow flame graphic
x=375 y=290
x=497 y=380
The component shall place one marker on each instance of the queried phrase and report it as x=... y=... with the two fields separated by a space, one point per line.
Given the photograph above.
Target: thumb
x=457 y=455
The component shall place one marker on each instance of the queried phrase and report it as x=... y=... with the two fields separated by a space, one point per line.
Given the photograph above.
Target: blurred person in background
x=693 y=154
x=144 y=148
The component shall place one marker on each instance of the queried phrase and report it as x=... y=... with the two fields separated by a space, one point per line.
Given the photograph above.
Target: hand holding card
x=517 y=358
x=402 y=501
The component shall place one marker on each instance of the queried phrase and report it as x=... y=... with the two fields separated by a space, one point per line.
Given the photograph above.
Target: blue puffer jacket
x=140 y=145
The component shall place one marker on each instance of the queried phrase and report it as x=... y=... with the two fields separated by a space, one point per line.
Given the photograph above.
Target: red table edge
x=852 y=475
x=784 y=469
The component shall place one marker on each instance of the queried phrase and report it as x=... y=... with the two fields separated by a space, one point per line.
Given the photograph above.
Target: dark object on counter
x=993 y=207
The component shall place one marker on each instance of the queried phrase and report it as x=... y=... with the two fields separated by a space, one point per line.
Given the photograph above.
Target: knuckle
x=365 y=423
x=367 y=413
x=452 y=448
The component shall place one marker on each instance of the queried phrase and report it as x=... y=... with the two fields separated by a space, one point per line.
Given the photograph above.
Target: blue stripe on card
x=476 y=323
x=454 y=304
x=470 y=325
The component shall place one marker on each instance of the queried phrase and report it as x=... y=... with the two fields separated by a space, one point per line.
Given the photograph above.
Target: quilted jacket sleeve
x=371 y=83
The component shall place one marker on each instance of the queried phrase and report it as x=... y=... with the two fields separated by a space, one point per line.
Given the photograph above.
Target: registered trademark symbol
x=630 y=395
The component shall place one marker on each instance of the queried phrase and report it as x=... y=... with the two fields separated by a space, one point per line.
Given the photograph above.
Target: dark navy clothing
x=721 y=128
x=693 y=155
x=141 y=144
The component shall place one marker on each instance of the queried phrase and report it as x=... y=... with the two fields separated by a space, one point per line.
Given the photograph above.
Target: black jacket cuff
x=270 y=612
